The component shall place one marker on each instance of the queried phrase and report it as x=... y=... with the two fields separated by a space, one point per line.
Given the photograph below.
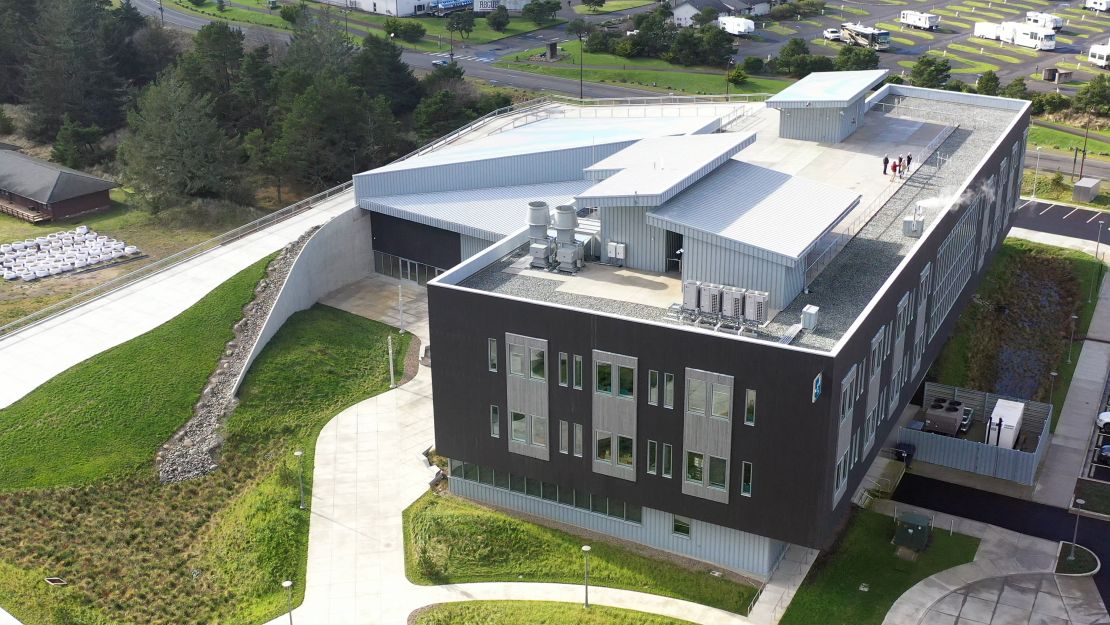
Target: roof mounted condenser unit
x=710 y=303
x=732 y=304
x=755 y=306
x=691 y=289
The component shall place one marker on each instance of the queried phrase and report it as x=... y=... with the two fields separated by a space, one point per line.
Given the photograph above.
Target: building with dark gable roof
x=38 y=190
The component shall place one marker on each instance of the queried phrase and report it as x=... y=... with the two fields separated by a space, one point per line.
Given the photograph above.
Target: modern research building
x=691 y=324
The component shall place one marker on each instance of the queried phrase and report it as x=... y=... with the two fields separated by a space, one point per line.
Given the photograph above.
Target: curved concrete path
x=33 y=356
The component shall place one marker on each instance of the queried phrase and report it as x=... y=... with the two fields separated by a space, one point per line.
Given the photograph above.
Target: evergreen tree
x=715 y=45
x=988 y=83
x=498 y=19
x=212 y=67
x=1094 y=97
x=930 y=71
x=16 y=17
x=1015 y=89
x=438 y=114
x=379 y=71
x=854 y=58
x=7 y=127
x=76 y=146
x=461 y=22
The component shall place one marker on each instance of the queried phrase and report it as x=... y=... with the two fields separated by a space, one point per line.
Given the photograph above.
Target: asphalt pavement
x=1018 y=515
x=1064 y=220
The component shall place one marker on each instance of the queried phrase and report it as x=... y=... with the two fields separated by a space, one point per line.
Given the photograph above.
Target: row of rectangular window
x=653 y=461
x=573 y=497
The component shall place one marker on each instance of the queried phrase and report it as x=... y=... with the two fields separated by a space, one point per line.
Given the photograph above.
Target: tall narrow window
x=722 y=401
x=495 y=421
x=746 y=479
x=519 y=427
x=564 y=369
x=718 y=472
x=668 y=390
x=653 y=457
x=625 y=446
x=578 y=439
x=492 y=353
x=695 y=467
x=695 y=396
x=539 y=431
x=603 y=378
x=749 y=407
x=667 y=452
x=564 y=437
x=539 y=365
x=577 y=372
x=516 y=360
x=604 y=449
x=626 y=381
x=653 y=388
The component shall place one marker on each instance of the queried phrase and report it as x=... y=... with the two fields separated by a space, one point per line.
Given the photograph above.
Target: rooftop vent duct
x=568 y=250
x=541 y=248
x=809 y=316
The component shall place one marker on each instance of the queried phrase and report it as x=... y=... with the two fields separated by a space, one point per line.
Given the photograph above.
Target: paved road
x=1018 y=515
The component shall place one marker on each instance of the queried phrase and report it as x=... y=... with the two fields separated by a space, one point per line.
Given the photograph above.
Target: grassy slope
x=543 y=612
x=611 y=6
x=611 y=60
x=830 y=594
x=676 y=81
x=1064 y=141
x=470 y=543
x=437 y=27
x=1045 y=190
x=968 y=358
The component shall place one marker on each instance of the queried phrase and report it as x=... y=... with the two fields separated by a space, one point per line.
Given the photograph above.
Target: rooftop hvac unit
x=541 y=251
x=732 y=304
x=809 y=316
x=914 y=224
x=710 y=299
x=690 y=291
x=616 y=251
x=755 y=306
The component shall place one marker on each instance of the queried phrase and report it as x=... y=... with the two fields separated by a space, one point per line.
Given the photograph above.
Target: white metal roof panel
x=489 y=213
x=827 y=89
x=753 y=208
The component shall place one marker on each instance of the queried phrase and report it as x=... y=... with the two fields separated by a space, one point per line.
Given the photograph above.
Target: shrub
x=626 y=47
x=7 y=127
x=737 y=76
x=599 y=42
x=752 y=64
x=406 y=30
x=1057 y=182
x=1050 y=103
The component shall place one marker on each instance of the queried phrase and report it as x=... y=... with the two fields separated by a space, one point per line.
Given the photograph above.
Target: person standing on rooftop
x=886 y=163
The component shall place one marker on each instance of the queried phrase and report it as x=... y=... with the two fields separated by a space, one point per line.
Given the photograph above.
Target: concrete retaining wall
x=339 y=253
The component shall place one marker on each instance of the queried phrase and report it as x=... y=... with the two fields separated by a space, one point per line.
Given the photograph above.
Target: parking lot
x=1095 y=468
x=968 y=56
x=1064 y=220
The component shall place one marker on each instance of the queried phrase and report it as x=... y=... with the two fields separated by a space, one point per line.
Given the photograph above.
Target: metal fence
x=977 y=457
x=169 y=262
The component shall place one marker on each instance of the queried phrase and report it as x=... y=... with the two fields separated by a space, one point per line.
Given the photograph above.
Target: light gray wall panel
x=708 y=263
x=469 y=246
x=731 y=549
x=707 y=435
x=528 y=396
x=615 y=414
x=646 y=245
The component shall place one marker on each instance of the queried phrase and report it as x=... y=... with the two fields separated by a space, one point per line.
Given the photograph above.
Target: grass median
x=540 y=612
x=1066 y=141
x=650 y=80
x=611 y=6
x=451 y=541
x=831 y=592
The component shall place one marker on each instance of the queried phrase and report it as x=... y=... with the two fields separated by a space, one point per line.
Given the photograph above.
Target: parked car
x=1102 y=422
x=965 y=420
x=440 y=63
x=831 y=34
x=1102 y=456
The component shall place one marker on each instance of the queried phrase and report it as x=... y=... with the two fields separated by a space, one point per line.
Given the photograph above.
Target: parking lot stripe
x=1050 y=206
x=1069 y=214
x=1093 y=217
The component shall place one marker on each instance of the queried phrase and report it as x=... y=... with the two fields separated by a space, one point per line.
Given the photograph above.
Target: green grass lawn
x=1082 y=560
x=971 y=66
x=965 y=24
x=830 y=594
x=233 y=14
x=994 y=55
x=611 y=6
x=975 y=355
x=854 y=10
x=912 y=32
x=993 y=6
x=573 y=48
x=1059 y=140
x=666 y=82
x=1095 y=495
x=780 y=29
x=540 y=612
x=1046 y=190
x=80 y=500
x=437 y=27
x=965 y=10
x=451 y=541
x=1009 y=48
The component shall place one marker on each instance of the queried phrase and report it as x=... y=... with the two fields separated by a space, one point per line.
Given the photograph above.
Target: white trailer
x=1005 y=423
x=1097 y=5
x=1044 y=20
x=1024 y=35
x=916 y=19
x=866 y=36
x=735 y=25
x=1098 y=54
x=987 y=30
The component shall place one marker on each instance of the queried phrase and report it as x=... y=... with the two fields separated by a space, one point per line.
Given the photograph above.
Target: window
x=667 y=460
x=604 y=446
x=539 y=366
x=722 y=401
x=653 y=388
x=695 y=396
x=625 y=448
x=578 y=439
x=626 y=378
x=564 y=437
x=848 y=395
x=495 y=421
x=718 y=472
x=520 y=427
x=603 y=377
x=653 y=457
x=539 y=431
x=749 y=407
x=492 y=349
x=746 y=479
x=681 y=526
x=695 y=465
x=516 y=360
x=577 y=372
x=564 y=369
x=668 y=390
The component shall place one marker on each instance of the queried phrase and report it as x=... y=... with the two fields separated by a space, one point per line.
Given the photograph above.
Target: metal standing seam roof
x=827 y=89
x=45 y=182
x=491 y=213
x=756 y=210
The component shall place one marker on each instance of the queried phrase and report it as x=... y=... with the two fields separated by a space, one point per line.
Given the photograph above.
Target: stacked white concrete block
x=60 y=252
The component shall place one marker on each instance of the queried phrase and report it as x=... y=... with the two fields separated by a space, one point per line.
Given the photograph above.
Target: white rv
x=1097 y=5
x=916 y=19
x=866 y=36
x=1024 y=35
x=1098 y=54
x=735 y=25
x=1044 y=20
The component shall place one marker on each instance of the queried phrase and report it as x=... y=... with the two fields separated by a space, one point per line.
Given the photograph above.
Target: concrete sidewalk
x=35 y=355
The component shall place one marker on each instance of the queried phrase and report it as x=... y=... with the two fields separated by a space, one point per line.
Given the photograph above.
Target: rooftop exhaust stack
x=539 y=217
x=914 y=224
x=568 y=251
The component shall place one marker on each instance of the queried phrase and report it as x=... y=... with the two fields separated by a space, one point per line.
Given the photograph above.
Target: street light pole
x=581 y=66
x=1075 y=533
x=728 y=69
x=1037 y=172
x=1098 y=243
x=288 y=586
x=1051 y=384
x=1071 y=342
x=162 y=12
x=586 y=556
x=300 y=477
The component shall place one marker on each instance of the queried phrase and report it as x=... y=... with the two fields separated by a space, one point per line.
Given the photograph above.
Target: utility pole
x=728 y=70
x=1086 y=133
x=581 y=65
x=1098 y=243
x=162 y=12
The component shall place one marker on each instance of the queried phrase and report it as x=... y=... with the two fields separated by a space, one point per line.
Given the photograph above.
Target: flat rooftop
x=827 y=89
x=900 y=125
